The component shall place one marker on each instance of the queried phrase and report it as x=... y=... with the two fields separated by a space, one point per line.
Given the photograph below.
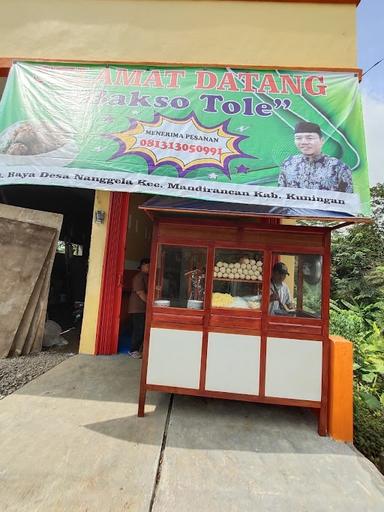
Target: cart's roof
x=175 y=205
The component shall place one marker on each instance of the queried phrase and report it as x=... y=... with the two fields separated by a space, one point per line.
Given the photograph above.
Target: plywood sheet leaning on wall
x=28 y=240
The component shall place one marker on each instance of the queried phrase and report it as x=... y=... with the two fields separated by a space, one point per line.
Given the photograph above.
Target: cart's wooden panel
x=273 y=238
x=176 y=318
x=234 y=321
x=294 y=326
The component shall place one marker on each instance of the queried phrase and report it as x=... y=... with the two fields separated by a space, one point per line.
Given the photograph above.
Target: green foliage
x=345 y=322
x=312 y=298
x=369 y=431
x=357 y=325
x=369 y=367
x=357 y=313
x=358 y=257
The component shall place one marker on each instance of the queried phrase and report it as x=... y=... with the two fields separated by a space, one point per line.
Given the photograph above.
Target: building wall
x=94 y=277
x=254 y=33
x=251 y=33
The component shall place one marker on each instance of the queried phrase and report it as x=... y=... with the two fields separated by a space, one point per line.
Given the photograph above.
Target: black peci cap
x=305 y=127
x=281 y=268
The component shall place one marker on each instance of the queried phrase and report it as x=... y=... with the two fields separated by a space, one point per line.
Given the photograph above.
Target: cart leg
x=141 y=407
x=322 y=426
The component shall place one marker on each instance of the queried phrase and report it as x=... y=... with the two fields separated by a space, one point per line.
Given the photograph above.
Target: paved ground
x=70 y=440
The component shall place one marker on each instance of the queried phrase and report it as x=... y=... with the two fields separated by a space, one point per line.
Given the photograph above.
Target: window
x=296 y=285
x=180 y=277
x=237 y=279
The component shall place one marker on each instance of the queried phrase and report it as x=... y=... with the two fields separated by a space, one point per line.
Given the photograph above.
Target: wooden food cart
x=219 y=336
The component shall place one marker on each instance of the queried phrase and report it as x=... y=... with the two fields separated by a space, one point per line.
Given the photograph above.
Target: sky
x=370 y=31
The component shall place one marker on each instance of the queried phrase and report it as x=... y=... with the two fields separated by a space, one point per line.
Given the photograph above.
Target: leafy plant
x=345 y=322
x=356 y=324
x=357 y=313
x=358 y=257
x=369 y=431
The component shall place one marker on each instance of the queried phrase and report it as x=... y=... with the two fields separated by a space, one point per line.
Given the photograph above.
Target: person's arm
x=142 y=295
x=138 y=287
x=289 y=304
x=274 y=296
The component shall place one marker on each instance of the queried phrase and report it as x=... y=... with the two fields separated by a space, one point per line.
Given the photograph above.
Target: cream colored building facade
x=259 y=34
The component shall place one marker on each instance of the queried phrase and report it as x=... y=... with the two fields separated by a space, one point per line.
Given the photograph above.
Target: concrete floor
x=70 y=440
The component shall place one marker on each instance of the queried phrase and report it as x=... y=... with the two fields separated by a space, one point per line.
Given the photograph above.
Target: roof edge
x=354 y=2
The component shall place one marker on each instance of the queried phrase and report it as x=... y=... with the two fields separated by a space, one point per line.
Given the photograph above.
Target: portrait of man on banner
x=312 y=169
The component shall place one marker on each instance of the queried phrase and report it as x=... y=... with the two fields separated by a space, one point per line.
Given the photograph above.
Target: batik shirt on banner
x=321 y=173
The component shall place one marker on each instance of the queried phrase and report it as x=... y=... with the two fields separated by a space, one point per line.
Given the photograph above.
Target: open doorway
x=69 y=272
x=138 y=246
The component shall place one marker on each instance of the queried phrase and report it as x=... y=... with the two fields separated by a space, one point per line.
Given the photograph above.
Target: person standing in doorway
x=137 y=307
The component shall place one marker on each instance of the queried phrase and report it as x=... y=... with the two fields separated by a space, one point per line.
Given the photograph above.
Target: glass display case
x=296 y=285
x=237 y=279
x=180 y=277
x=242 y=309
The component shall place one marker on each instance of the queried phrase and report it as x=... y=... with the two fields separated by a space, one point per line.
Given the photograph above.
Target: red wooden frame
x=264 y=324
x=113 y=276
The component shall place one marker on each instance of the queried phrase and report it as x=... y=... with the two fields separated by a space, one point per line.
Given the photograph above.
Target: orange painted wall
x=340 y=413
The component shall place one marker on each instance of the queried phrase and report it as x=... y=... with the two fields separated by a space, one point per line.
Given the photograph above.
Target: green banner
x=286 y=139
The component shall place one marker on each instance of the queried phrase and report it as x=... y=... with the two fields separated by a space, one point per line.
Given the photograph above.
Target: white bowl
x=195 y=304
x=162 y=303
